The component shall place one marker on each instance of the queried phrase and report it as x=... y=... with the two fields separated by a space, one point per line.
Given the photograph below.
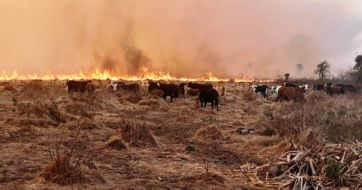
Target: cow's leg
x=217 y=103
x=212 y=105
x=277 y=99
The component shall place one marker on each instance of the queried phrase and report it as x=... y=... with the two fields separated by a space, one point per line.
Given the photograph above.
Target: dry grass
x=115 y=142
x=250 y=109
x=321 y=119
x=209 y=132
x=63 y=172
x=137 y=134
x=70 y=164
x=248 y=95
x=80 y=109
x=42 y=109
x=266 y=140
x=10 y=88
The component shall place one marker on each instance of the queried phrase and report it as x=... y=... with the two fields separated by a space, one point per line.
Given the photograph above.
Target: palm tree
x=322 y=69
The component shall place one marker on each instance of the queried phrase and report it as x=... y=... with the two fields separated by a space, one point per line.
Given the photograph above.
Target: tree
x=322 y=69
x=286 y=76
x=358 y=67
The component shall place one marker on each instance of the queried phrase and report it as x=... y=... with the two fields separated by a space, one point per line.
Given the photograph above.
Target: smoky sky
x=184 y=37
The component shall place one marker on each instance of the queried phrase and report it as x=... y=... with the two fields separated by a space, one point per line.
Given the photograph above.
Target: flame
x=98 y=74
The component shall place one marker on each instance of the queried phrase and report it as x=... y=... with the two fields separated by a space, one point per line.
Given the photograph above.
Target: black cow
x=171 y=90
x=199 y=86
x=335 y=90
x=348 y=87
x=262 y=89
x=318 y=87
x=152 y=86
x=209 y=96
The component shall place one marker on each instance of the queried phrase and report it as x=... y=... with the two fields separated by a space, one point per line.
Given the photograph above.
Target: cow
x=305 y=86
x=182 y=89
x=290 y=93
x=348 y=87
x=193 y=92
x=171 y=90
x=318 y=87
x=129 y=87
x=262 y=89
x=252 y=87
x=156 y=93
x=90 y=88
x=209 y=96
x=335 y=90
x=199 y=86
x=275 y=89
x=79 y=86
x=152 y=86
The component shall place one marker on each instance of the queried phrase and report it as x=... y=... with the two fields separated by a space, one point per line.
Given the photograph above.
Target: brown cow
x=129 y=87
x=78 y=86
x=290 y=93
x=156 y=93
x=90 y=88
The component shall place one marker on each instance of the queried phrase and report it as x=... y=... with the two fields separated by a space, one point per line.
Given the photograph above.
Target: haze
x=184 y=37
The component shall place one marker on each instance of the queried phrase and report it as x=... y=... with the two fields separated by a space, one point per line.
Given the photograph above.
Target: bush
x=70 y=164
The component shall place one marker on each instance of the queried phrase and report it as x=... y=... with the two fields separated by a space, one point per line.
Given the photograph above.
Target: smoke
x=186 y=38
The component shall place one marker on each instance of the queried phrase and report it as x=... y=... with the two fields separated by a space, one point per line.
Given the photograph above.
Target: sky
x=260 y=38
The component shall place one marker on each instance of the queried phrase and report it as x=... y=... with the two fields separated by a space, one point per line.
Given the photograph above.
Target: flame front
x=98 y=74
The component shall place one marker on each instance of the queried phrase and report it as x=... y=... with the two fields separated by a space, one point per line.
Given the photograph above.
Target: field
x=118 y=140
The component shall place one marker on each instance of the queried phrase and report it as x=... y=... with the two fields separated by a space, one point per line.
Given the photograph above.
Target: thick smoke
x=186 y=38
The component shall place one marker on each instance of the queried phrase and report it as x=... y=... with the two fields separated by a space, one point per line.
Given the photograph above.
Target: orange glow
x=98 y=74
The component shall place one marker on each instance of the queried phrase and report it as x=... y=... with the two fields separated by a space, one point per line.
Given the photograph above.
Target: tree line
x=322 y=70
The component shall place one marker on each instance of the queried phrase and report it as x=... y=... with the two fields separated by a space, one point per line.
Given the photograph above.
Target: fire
x=98 y=74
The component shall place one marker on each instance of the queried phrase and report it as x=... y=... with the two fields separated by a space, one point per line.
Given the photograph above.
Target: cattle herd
x=289 y=91
x=208 y=94
x=205 y=92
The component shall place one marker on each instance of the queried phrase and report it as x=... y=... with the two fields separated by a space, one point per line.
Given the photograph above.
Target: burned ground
x=113 y=142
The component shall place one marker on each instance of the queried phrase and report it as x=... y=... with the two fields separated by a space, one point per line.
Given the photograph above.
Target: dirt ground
x=194 y=148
